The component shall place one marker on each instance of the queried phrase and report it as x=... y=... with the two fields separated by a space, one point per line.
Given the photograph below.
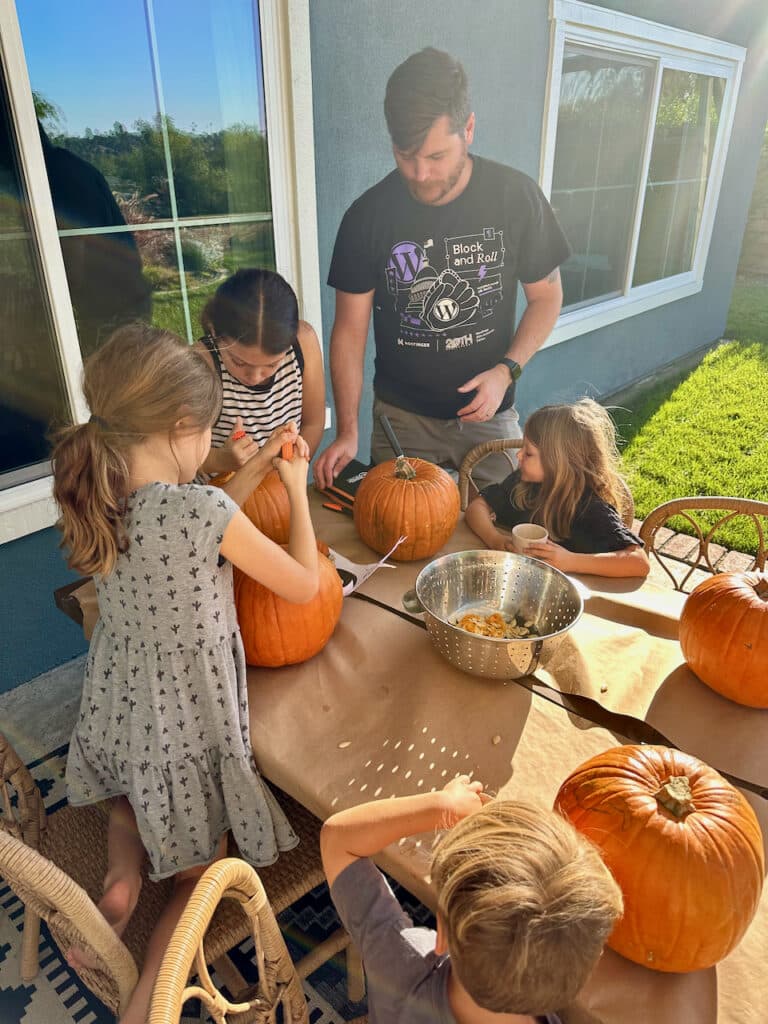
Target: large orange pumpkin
x=267 y=506
x=276 y=632
x=724 y=636
x=682 y=843
x=406 y=497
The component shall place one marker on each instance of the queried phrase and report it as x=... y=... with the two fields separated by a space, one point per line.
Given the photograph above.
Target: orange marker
x=287 y=450
x=238 y=434
x=337 y=508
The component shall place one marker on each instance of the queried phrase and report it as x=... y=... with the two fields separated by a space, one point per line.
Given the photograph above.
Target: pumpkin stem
x=676 y=797
x=761 y=588
x=403 y=469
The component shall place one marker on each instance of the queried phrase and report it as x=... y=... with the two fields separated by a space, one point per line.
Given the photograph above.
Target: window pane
x=210 y=62
x=153 y=116
x=159 y=258
x=681 y=157
x=32 y=393
x=212 y=253
x=604 y=105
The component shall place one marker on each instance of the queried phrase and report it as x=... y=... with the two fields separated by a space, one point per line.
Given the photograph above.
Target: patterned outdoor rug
x=57 y=996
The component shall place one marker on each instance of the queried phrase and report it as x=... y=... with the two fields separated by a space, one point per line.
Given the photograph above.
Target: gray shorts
x=446 y=442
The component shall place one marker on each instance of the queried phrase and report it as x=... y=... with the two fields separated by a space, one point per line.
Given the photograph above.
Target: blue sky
x=92 y=59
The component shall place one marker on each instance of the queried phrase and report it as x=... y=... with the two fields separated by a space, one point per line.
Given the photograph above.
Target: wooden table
x=380 y=713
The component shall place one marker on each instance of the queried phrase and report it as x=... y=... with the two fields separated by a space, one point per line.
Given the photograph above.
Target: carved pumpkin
x=267 y=507
x=276 y=632
x=406 y=497
x=684 y=846
x=724 y=636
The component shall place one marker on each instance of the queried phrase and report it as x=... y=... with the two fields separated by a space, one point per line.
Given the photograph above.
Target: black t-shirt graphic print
x=445 y=279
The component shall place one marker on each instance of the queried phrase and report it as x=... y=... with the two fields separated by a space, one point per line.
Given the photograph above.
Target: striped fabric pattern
x=263 y=407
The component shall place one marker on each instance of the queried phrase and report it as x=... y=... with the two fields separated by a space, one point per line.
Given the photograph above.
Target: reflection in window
x=213 y=252
x=604 y=99
x=165 y=102
x=32 y=393
x=687 y=119
x=598 y=188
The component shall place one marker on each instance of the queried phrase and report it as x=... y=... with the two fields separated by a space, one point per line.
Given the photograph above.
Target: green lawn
x=708 y=436
x=748 y=315
x=168 y=309
x=706 y=431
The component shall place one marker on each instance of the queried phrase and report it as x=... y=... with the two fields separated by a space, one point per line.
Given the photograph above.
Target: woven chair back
x=278 y=981
x=26 y=819
x=705 y=515
x=72 y=917
x=509 y=445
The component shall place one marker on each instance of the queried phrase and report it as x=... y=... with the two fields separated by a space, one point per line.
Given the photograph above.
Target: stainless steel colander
x=490 y=581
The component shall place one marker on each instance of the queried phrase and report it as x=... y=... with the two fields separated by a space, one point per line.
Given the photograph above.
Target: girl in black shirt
x=567 y=482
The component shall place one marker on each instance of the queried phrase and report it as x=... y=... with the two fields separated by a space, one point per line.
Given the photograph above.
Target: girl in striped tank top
x=270 y=367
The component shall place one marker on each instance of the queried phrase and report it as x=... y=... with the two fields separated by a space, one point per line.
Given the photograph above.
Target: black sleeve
x=352 y=263
x=599 y=529
x=545 y=246
x=498 y=496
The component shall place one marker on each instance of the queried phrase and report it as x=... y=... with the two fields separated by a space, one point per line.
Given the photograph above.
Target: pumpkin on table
x=684 y=846
x=267 y=506
x=724 y=636
x=276 y=632
x=406 y=497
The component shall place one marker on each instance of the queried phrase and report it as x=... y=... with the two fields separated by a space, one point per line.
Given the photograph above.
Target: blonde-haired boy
x=524 y=906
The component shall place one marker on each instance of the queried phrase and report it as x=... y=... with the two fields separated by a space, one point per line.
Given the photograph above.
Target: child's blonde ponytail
x=139 y=383
x=90 y=483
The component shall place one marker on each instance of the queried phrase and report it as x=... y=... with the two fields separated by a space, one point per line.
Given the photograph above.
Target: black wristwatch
x=515 y=369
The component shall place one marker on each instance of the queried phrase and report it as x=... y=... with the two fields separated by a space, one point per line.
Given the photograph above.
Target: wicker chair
x=704 y=531
x=72 y=843
x=278 y=983
x=507 y=445
x=49 y=893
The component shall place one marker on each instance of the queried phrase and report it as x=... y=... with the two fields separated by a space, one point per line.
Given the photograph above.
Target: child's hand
x=505 y=543
x=294 y=473
x=300 y=448
x=551 y=553
x=287 y=434
x=498 y=541
x=465 y=796
x=238 y=449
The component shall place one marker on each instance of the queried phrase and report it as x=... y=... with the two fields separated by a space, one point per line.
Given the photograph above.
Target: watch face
x=514 y=368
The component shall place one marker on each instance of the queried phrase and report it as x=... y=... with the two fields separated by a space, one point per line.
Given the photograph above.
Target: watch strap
x=514 y=367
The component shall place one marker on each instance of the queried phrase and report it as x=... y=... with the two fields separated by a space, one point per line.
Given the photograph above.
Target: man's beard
x=437 y=190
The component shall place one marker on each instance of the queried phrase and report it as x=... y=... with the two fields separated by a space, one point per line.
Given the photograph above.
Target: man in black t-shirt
x=436 y=249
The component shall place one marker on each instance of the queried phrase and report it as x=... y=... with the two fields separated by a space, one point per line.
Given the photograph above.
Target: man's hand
x=336 y=456
x=490 y=387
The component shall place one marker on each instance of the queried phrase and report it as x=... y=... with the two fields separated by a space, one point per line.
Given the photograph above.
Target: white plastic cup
x=527 y=533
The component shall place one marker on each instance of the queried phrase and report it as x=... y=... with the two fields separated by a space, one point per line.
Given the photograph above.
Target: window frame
x=572 y=21
x=284 y=24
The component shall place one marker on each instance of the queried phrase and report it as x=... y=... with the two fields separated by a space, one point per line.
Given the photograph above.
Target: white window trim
x=29 y=507
x=573 y=21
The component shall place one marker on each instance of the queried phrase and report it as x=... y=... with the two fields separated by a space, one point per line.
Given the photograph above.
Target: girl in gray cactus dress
x=163 y=725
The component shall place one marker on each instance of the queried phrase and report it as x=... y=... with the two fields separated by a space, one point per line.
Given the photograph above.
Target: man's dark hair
x=428 y=85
